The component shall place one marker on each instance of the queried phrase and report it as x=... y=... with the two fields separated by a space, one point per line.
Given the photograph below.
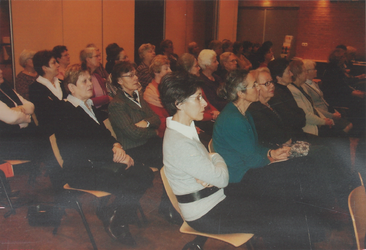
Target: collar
x=309 y=82
x=188 y=131
x=77 y=102
x=55 y=90
x=131 y=98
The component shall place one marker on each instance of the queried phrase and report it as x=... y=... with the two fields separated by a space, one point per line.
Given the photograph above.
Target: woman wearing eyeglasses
x=134 y=123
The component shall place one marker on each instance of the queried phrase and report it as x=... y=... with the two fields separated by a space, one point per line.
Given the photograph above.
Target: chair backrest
x=169 y=191
x=210 y=147
x=357 y=208
x=361 y=180
x=108 y=125
x=55 y=150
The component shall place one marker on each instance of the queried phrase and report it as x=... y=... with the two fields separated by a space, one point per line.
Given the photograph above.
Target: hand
x=215 y=114
x=336 y=116
x=288 y=143
x=361 y=76
x=199 y=130
x=358 y=93
x=203 y=183
x=329 y=122
x=141 y=124
x=19 y=109
x=128 y=161
x=118 y=153
x=280 y=153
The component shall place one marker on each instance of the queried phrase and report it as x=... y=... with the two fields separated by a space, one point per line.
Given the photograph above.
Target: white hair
x=206 y=57
x=309 y=63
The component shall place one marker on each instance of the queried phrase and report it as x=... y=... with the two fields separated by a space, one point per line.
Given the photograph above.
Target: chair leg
x=196 y=244
x=86 y=224
x=144 y=219
x=12 y=210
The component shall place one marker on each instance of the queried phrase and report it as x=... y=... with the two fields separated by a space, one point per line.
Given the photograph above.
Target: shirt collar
x=188 y=131
x=55 y=90
x=77 y=102
x=308 y=81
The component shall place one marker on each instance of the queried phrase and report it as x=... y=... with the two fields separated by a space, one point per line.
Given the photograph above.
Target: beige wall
x=39 y=25
x=227 y=20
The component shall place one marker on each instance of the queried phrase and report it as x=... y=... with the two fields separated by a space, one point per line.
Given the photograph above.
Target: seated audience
x=283 y=102
x=189 y=64
x=100 y=70
x=228 y=63
x=243 y=62
x=304 y=189
x=216 y=46
x=91 y=58
x=47 y=91
x=63 y=58
x=209 y=64
x=193 y=49
x=94 y=160
x=314 y=117
x=115 y=54
x=134 y=123
x=269 y=125
x=338 y=93
x=27 y=76
x=159 y=67
x=146 y=54
x=313 y=90
x=167 y=49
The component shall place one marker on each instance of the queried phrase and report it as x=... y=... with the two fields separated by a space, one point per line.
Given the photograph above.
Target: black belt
x=203 y=193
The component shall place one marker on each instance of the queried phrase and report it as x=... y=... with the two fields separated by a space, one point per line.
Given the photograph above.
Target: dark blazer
x=270 y=128
x=124 y=114
x=81 y=140
x=45 y=106
x=285 y=105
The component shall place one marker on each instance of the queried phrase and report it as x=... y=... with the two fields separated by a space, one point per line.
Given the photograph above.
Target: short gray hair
x=206 y=57
x=309 y=63
x=24 y=56
x=224 y=57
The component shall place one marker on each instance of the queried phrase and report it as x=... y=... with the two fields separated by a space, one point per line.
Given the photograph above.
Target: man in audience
x=100 y=70
x=94 y=160
x=146 y=53
x=228 y=63
x=193 y=49
x=63 y=58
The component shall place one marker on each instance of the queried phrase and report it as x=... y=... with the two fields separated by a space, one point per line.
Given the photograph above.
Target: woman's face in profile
x=194 y=106
x=266 y=87
x=195 y=70
x=123 y=57
x=252 y=92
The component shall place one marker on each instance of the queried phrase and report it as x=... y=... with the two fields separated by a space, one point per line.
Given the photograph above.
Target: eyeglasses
x=132 y=74
x=266 y=83
x=199 y=97
x=312 y=69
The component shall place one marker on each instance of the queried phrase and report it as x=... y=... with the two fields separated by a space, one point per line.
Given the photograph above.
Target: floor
x=17 y=234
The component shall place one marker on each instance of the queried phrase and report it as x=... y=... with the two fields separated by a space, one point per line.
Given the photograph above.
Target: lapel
x=121 y=95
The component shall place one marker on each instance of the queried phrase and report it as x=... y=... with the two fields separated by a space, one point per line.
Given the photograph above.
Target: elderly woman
x=167 y=49
x=134 y=123
x=293 y=186
x=28 y=75
x=314 y=117
x=91 y=58
x=228 y=63
x=270 y=126
x=209 y=64
x=63 y=58
x=313 y=90
x=243 y=62
x=160 y=66
x=146 y=54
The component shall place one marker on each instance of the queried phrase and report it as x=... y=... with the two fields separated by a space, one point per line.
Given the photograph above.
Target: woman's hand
x=128 y=161
x=19 y=109
x=203 y=183
x=329 y=122
x=118 y=153
x=279 y=154
x=141 y=124
x=199 y=130
x=215 y=114
x=336 y=116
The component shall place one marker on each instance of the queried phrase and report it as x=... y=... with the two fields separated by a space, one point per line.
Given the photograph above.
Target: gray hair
x=224 y=57
x=24 y=56
x=206 y=57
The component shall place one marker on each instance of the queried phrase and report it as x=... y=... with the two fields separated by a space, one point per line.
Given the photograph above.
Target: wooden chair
x=357 y=208
x=236 y=240
x=210 y=147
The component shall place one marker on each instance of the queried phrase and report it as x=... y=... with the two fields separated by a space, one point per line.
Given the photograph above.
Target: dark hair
x=165 y=44
x=337 y=57
x=296 y=68
x=341 y=46
x=176 y=87
x=186 y=62
x=226 y=44
x=235 y=82
x=247 y=45
x=277 y=67
x=119 y=69
x=57 y=50
x=112 y=51
x=263 y=50
x=236 y=47
x=42 y=58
